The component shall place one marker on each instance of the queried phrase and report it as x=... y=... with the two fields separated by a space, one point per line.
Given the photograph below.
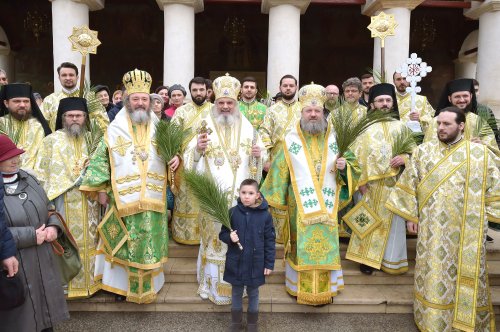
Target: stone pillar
x=488 y=62
x=284 y=39
x=178 y=48
x=465 y=68
x=397 y=48
x=67 y=14
x=466 y=63
x=7 y=62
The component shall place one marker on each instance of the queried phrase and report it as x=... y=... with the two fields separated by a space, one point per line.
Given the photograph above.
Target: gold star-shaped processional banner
x=84 y=40
x=381 y=26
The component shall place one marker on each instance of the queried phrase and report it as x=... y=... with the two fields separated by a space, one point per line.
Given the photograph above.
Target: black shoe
x=366 y=269
x=120 y=298
x=489 y=239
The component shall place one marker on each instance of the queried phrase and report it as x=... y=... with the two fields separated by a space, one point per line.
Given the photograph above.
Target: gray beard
x=314 y=128
x=139 y=116
x=74 y=130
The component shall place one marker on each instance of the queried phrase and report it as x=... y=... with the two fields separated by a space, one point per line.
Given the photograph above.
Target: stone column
x=488 y=62
x=396 y=47
x=284 y=39
x=466 y=63
x=67 y=14
x=178 y=48
x=6 y=56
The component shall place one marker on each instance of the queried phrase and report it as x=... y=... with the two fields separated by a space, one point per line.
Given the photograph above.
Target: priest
x=303 y=180
x=62 y=157
x=22 y=121
x=461 y=93
x=127 y=173
x=378 y=239
x=227 y=148
x=280 y=118
x=185 y=218
x=448 y=192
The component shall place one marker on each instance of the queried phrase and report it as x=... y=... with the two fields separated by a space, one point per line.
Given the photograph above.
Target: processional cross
x=85 y=41
x=381 y=26
x=413 y=71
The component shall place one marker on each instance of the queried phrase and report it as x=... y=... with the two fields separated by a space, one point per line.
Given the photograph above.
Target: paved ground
x=208 y=322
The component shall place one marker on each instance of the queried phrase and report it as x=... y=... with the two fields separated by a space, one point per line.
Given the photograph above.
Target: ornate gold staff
x=382 y=26
x=84 y=41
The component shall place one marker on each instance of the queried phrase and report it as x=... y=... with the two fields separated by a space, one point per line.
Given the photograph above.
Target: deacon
x=378 y=239
x=127 y=172
x=423 y=111
x=228 y=154
x=302 y=178
x=447 y=193
x=278 y=121
x=62 y=157
x=185 y=219
x=249 y=106
x=461 y=93
x=68 y=76
x=23 y=121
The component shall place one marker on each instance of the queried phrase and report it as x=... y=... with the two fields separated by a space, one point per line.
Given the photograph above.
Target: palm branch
x=169 y=139
x=348 y=128
x=13 y=133
x=93 y=137
x=485 y=120
x=211 y=197
x=265 y=98
x=93 y=104
x=403 y=143
x=418 y=136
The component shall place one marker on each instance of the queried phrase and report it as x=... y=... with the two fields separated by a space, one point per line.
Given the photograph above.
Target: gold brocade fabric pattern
x=185 y=220
x=434 y=193
x=30 y=135
x=470 y=131
x=280 y=118
x=60 y=162
x=422 y=106
x=374 y=152
x=358 y=110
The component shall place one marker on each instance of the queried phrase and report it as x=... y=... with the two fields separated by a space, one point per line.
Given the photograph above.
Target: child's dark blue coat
x=256 y=233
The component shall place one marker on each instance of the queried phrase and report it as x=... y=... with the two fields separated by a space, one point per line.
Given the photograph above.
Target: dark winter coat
x=26 y=209
x=7 y=244
x=255 y=230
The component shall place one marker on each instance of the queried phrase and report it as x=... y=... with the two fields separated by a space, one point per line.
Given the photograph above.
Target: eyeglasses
x=74 y=116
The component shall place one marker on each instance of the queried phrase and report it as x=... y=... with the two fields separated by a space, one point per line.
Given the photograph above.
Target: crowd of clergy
x=418 y=171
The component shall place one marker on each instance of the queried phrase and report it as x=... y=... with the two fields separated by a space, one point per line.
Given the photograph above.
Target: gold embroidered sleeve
x=403 y=199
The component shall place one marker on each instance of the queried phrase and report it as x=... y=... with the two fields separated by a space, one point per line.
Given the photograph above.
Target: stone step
x=182 y=297
x=183 y=270
x=177 y=250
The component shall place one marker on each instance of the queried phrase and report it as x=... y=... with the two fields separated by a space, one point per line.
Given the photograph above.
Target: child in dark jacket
x=253 y=228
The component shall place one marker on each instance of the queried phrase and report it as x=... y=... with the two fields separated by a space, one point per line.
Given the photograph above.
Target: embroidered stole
x=138 y=174
x=316 y=199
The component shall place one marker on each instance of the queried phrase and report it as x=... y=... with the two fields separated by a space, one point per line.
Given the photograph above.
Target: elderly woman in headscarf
x=158 y=104
x=27 y=216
